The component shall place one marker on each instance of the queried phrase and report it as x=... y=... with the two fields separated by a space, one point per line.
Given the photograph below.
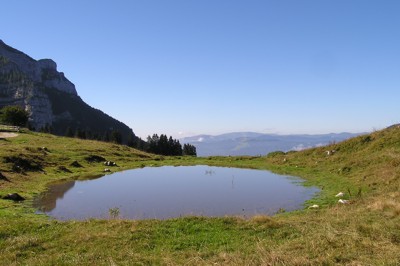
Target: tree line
x=168 y=146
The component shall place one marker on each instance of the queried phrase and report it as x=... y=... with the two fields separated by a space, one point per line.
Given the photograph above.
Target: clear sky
x=185 y=67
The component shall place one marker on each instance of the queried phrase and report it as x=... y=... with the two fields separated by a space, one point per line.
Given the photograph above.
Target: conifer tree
x=69 y=133
x=189 y=149
x=116 y=137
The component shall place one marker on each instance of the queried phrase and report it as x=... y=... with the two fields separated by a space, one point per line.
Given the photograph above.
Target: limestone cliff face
x=22 y=82
x=42 y=71
x=49 y=97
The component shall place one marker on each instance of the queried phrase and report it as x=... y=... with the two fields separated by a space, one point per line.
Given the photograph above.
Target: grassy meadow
x=366 y=231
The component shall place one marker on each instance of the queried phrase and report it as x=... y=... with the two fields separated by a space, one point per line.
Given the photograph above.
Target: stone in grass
x=14 y=197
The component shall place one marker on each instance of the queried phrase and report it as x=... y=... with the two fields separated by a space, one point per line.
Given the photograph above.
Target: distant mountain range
x=50 y=98
x=251 y=143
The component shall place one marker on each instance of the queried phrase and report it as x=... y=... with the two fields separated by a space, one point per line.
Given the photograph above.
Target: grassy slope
x=365 y=232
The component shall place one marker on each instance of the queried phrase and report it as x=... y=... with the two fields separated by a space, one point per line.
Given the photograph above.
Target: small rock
x=107 y=170
x=315 y=206
x=342 y=201
x=340 y=194
x=14 y=197
x=110 y=163
x=331 y=152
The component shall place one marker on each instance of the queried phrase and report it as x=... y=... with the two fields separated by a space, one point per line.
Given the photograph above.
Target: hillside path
x=7 y=135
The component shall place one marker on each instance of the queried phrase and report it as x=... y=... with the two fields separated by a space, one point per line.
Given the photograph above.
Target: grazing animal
x=107 y=170
x=340 y=194
x=315 y=206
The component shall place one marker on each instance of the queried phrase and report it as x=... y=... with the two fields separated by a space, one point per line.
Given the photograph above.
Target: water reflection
x=48 y=201
x=166 y=192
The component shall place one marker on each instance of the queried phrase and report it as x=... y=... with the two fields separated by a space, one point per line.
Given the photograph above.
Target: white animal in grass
x=315 y=206
x=342 y=201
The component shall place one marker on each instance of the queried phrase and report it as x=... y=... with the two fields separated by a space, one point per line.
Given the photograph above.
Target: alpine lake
x=175 y=191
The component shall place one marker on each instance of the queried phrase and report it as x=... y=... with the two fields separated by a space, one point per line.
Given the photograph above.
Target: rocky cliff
x=50 y=98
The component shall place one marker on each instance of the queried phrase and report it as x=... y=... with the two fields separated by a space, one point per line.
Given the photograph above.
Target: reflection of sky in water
x=165 y=192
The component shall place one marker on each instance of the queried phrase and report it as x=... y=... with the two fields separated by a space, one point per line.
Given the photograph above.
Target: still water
x=167 y=192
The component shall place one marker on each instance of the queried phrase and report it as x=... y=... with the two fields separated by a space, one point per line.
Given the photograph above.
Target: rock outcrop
x=22 y=82
x=49 y=97
x=42 y=71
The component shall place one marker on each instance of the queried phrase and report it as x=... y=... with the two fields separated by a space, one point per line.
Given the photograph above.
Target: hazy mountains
x=50 y=98
x=250 y=143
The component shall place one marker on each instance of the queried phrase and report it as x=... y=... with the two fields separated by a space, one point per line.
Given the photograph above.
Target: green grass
x=365 y=232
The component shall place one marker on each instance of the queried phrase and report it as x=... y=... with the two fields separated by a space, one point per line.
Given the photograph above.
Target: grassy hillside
x=364 y=232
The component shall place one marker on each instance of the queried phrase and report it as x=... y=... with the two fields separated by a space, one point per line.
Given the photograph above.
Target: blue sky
x=185 y=67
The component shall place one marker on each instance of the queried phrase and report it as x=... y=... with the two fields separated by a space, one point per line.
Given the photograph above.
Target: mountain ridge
x=253 y=143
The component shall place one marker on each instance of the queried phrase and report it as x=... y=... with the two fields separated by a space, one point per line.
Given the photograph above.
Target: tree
x=116 y=137
x=132 y=140
x=175 y=147
x=189 y=149
x=69 y=133
x=80 y=133
x=153 y=144
x=106 y=137
x=14 y=115
x=141 y=144
x=46 y=129
x=163 y=145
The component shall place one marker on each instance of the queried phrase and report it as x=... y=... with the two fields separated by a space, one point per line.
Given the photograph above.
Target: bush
x=14 y=116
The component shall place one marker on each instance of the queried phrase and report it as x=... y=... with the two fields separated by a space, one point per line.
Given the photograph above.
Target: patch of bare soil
x=7 y=135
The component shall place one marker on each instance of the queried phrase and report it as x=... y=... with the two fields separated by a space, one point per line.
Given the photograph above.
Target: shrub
x=14 y=115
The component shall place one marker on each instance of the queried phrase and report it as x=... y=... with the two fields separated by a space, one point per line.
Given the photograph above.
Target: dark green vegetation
x=364 y=232
x=97 y=125
x=163 y=145
x=14 y=116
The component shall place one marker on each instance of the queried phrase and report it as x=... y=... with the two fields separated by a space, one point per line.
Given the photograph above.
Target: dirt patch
x=4 y=135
